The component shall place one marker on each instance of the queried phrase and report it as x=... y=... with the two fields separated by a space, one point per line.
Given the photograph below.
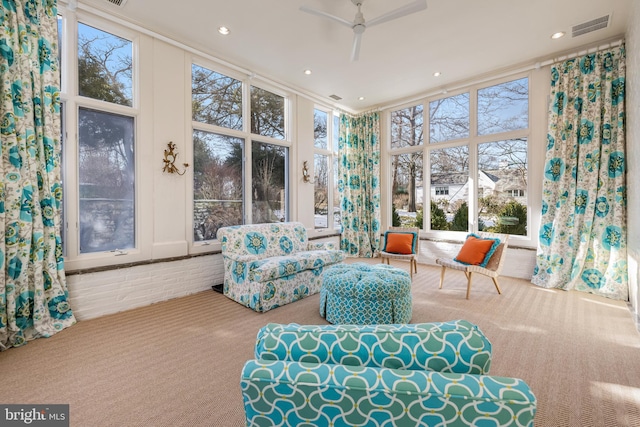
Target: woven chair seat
x=492 y=270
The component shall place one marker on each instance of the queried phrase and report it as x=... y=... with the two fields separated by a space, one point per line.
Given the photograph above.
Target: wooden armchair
x=411 y=257
x=492 y=269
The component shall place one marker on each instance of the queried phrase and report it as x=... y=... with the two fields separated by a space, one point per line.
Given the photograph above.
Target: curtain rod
x=595 y=49
x=505 y=72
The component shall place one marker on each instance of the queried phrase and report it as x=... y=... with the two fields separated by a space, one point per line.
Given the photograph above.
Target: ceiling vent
x=119 y=3
x=335 y=97
x=593 y=25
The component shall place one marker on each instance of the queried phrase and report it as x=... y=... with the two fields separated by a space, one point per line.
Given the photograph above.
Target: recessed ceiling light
x=361 y=98
x=557 y=35
x=223 y=30
x=307 y=72
x=437 y=74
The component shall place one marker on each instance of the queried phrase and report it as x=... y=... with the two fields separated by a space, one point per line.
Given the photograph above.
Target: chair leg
x=468 y=284
x=442 y=276
x=495 y=282
x=415 y=265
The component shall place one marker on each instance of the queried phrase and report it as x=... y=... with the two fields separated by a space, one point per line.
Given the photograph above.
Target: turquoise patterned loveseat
x=269 y=265
x=431 y=374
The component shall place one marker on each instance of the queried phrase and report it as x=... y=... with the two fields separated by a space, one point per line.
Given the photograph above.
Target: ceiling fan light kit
x=359 y=25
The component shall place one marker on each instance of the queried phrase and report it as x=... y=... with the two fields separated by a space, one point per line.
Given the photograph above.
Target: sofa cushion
x=456 y=346
x=282 y=266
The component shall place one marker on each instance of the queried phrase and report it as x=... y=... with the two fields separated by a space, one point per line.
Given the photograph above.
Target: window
x=478 y=177
x=107 y=177
x=104 y=66
x=449 y=118
x=502 y=178
x=406 y=127
x=321 y=190
x=106 y=142
x=502 y=163
x=442 y=191
x=223 y=140
x=326 y=196
x=407 y=194
x=406 y=168
x=450 y=171
x=218 y=157
x=269 y=164
x=216 y=98
x=267 y=113
x=321 y=170
x=217 y=183
x=320 y=128
x=514 y=193
x=503 y=107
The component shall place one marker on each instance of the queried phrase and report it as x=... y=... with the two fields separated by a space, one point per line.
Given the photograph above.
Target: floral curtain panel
x=583 y=228
x=359 y=184
x=33 y=293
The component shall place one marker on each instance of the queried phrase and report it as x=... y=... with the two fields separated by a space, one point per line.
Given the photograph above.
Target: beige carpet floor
x=178 y=363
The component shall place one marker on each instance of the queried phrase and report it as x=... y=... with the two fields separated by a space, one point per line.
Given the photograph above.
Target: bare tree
x=407 y=131
x=217 y=99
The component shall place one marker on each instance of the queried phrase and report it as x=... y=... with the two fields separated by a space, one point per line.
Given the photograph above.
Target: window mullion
x=473 y=160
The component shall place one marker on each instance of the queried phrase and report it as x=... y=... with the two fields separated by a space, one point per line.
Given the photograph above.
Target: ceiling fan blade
x=355 y=51
x=408 y=9
x=327 y=15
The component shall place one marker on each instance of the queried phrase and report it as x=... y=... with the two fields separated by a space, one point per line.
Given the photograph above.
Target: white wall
x=106 y=292
x=633 y=153
x=164 y=217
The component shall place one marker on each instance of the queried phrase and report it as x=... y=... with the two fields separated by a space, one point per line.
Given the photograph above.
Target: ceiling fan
x=358 y=25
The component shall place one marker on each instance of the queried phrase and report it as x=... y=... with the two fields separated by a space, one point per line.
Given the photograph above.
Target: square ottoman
x=365 y=294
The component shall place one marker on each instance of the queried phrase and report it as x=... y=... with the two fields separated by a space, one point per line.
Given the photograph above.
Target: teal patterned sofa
x=430 y=374
x=269 y=265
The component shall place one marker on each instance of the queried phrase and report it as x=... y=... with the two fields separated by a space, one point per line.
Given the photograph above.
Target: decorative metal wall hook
x=305 y=173
x=170 y=157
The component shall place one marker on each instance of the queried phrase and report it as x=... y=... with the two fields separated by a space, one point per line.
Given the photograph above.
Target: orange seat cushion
x=476 y=250
x=399 y=243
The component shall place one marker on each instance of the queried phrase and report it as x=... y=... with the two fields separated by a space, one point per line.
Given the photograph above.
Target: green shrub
x=395 y=217
x=507 y=216
x=461 y=218
x=438 y=218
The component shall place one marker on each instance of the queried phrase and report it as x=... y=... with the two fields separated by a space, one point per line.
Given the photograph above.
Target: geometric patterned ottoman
x=365 y=294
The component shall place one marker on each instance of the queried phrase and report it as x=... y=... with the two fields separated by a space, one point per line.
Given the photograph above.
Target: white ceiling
x=459 y=38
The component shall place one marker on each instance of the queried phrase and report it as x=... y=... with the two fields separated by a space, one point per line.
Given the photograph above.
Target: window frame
x=205 y=246
x=473 y=142
x=331 y=153
x=71 y=103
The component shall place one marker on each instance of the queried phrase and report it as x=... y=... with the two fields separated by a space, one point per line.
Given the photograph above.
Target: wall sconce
x=305 y=173
x=170 y=157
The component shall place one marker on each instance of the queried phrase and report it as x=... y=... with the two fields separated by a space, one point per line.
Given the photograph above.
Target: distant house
x=511 y=184
x=452 y=187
